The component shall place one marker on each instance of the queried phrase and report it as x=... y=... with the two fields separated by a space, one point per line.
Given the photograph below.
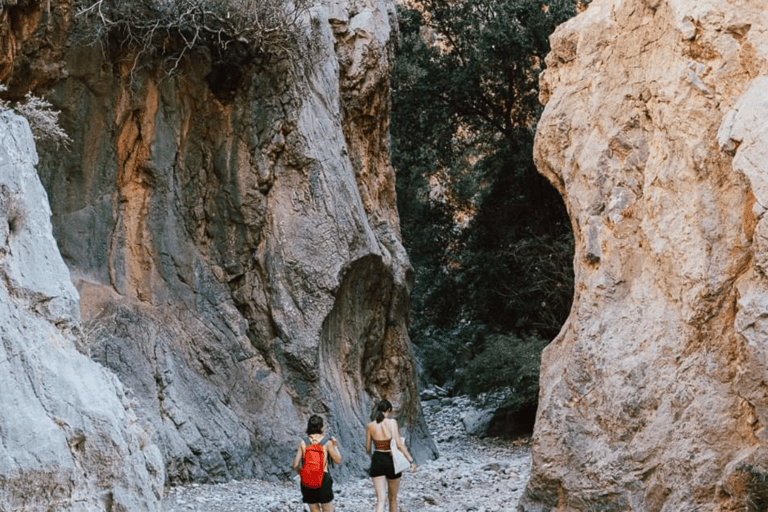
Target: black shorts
x=382 y=465
x=322 y=495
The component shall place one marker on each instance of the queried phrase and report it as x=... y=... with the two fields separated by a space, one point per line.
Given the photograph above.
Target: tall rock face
x=233 y=233
x=69 y=437
x=653 y=397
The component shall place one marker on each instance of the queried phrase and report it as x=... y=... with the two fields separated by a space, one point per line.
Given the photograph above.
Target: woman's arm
x=333 y=450
x=299 y=455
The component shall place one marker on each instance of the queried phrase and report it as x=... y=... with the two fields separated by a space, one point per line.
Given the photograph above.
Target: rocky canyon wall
x=653 y=396
x=70 y=438
x=233 y=234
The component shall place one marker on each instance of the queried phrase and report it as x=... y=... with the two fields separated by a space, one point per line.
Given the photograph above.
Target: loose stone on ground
x=472 y=474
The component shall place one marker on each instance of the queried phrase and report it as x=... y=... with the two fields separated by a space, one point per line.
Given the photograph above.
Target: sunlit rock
x=653 y=395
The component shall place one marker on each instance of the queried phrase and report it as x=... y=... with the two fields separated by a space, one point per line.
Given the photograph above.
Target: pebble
x=471 y=474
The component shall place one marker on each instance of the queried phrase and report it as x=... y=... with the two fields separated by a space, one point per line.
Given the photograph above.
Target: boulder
x=652 y=395
x=477 y=421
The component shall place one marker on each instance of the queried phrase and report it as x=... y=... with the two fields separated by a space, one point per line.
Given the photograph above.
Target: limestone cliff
x=69 y=436
x=232 y=231
x=653 y=396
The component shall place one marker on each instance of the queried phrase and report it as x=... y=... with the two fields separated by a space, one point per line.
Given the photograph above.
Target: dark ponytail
x=382 y=407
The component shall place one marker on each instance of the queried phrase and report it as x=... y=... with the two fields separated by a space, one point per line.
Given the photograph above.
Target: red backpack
x=313 y=465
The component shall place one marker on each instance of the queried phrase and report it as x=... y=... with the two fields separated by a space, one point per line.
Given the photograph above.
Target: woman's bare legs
x=314 y=507
x=328 y=507
x=380 y=486
x=393 y=485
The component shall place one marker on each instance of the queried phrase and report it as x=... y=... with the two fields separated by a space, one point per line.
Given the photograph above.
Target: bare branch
x=171 y=28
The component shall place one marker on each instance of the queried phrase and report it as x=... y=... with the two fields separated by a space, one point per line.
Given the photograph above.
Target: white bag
x=401 y=463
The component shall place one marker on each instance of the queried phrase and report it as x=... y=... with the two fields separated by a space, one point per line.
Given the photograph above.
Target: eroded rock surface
x=233 y=234
x=69 y=436
x=653 y=396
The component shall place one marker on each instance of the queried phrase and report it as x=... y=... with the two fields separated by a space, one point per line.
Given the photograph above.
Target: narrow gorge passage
x=471 y=474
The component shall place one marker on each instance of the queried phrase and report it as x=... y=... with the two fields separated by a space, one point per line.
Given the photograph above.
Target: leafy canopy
x=488 y=236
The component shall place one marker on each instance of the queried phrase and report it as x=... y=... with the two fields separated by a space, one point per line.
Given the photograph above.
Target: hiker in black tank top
x=319 y=499
x=380 y=433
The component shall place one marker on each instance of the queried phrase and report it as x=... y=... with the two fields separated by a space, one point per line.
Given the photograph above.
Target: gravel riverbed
x=471 y=475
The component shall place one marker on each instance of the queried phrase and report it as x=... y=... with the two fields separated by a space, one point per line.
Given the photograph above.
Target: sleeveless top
x=382 y=446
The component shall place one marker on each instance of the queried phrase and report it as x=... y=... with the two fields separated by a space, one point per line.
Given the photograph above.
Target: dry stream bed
x=471 y=475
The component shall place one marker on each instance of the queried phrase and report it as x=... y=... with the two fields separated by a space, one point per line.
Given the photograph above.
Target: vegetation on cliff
x=165 y=31
x=43 y=120
x=488 y=236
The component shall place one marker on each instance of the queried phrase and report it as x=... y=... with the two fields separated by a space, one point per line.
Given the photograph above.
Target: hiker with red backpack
x=311 y=462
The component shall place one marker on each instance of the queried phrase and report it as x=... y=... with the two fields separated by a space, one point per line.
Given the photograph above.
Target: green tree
x=489 y=237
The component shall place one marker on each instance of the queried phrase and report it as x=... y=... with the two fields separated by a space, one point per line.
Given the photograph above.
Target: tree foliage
x=488 y=236
x=507 y=361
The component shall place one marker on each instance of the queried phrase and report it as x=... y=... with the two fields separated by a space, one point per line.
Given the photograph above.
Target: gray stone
x=476 y=421
x=428 y=394
x=69 y=436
